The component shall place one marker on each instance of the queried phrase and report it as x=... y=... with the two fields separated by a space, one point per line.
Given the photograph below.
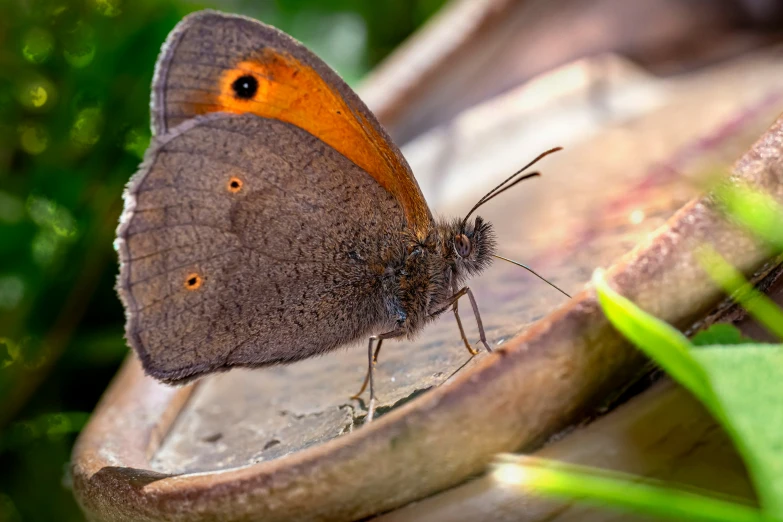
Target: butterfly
x=273 y=219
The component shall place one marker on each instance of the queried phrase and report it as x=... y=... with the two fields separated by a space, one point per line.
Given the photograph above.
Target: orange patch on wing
x=291 y=91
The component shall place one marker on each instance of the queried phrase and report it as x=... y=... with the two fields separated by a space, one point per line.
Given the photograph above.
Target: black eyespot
x=245 y=87
x=193 y=282
x=234 y=184
x=462 y=245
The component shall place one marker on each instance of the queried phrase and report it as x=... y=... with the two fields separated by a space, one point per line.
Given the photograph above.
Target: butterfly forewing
x=213 y=62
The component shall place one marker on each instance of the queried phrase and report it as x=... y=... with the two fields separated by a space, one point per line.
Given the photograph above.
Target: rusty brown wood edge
x=512 y=400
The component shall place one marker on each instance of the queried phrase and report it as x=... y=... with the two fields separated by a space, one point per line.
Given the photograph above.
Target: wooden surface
x=475 y=50
x=286 y=443
x=663 y=434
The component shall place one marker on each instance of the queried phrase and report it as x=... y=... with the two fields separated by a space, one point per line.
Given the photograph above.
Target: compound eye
x=462 y=245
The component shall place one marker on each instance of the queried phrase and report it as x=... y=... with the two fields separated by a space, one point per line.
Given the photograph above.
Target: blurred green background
x=74 y=123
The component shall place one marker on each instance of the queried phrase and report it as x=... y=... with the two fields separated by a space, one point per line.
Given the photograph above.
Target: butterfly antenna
x=534 y=273
x=510 y=182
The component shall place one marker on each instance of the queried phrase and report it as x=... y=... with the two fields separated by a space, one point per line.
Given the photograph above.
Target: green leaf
x=748 y=380
x=719 y=334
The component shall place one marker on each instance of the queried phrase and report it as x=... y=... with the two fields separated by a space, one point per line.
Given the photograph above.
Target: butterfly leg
x=455 y=309
x=372 y=359
x=370 y=368
x=482 y=336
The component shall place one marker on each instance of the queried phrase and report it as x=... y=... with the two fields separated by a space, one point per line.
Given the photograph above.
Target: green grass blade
x=756 y=211
x=660 y=341
x=761 y=307
x=617 y=491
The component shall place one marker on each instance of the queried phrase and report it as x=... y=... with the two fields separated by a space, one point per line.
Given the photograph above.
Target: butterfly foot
x=370 y=411
x=486 y=346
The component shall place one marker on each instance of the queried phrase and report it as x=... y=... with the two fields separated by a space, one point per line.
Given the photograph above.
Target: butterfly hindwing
x=235 y=236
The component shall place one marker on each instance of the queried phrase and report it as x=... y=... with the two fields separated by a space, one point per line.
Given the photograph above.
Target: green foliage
x=74 y=122
x=74 y=92
x=738 y=381
x=720 y=333
x=52 y=426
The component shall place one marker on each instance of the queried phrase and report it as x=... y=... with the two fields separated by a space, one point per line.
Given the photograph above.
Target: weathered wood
x=664 y=433
x=474 y=50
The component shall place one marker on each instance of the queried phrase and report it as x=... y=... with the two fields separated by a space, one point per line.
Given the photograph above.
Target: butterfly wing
x=246 y=241
x=209 y=54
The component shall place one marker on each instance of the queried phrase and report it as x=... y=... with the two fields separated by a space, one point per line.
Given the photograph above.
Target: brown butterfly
x=273 y=219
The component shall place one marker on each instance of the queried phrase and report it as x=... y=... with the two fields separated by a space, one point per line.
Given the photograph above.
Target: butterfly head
x=471 y=245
